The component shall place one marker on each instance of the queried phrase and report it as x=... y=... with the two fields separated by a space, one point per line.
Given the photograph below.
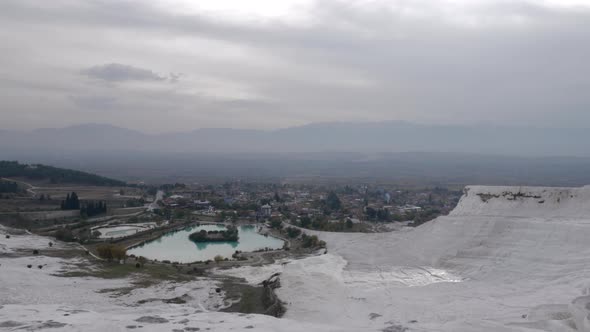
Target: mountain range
x=382 y=137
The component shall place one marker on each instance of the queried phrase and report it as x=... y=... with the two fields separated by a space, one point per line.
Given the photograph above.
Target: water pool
x=177 y=247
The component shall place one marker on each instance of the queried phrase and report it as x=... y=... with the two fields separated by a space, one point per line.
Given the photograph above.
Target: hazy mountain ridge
x=321 y=137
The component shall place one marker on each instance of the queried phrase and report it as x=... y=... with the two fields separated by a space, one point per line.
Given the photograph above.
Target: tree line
x=54 y=174
x=8 y=187
x=72 y=202
x=87 y=209
x=93 y=208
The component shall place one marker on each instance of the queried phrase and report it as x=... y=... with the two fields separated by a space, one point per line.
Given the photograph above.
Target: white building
x=266 y=210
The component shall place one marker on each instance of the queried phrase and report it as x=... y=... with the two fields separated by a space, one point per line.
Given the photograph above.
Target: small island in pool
x=230 y=234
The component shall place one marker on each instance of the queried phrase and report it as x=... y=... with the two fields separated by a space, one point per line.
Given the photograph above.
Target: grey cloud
x=416 y=69
x=115 y=72
x=175 y=77
x=94 y=102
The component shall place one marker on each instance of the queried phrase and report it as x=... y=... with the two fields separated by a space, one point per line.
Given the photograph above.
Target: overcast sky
x=174 y=65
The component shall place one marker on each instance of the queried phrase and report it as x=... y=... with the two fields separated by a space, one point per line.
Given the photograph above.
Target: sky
x=176 y=65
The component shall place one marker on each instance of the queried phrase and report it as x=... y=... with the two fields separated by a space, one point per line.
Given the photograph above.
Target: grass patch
x=250 y=297
x=145 y=276
x=251 y=301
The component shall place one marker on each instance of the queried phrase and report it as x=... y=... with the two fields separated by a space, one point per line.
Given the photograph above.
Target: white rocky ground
x=516 y=262
x=34 y=299
x=506 y=259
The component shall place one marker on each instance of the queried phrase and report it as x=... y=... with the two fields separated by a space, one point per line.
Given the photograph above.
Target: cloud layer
x=115 y=72
x=268 y=66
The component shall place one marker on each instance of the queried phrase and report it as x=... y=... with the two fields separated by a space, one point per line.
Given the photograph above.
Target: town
x=360 y=208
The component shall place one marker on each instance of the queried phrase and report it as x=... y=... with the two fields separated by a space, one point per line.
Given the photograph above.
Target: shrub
x=35 y=252
x=218 y=258
x=29 y=266
x=8 y=236
x=51 y=244
x=142 y=260
x=310 y=241
x=64 y=234
x=111 y=251
x=276 y=224
x=293 y=232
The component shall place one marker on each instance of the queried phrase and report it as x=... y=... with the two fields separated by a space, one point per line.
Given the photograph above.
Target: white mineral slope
x=527 y=202
x=506 y=259
x=33 y=299
x=495 y=265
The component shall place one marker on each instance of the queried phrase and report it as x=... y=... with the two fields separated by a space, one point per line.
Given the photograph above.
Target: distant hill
x=367 y=137
x=54 y=174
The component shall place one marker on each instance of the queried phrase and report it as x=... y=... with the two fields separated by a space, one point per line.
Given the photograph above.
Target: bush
x=142 y=260
x=218 y=258
x=65 y=235
x=293 y=232
x=276 y=224
x=35 y=252
x=111 y=251
x=310 y=241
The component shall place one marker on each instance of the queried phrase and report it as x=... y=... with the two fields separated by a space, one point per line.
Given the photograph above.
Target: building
x=266 y=211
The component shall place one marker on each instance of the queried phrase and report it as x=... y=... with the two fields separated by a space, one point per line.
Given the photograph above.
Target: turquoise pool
x=177 y=247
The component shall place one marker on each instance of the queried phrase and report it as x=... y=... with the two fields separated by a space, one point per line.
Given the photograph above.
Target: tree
x=71 y=203
x=141 y=260
x=64 y=234
x=54 y=174
x=293 y=232
x=8 y=187
x=333 y=202
x=349 y=223
x=75 y=201
x=92 y=208
x=276 y=223
x=305 y=222
x=310 y=241
x=179 y=214
x=111 y=251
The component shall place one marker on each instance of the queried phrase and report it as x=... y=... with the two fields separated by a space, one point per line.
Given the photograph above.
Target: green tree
x=293 y=232
x=305 y=222
x=349 y=223
x=276 y=223
x=333 y=202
